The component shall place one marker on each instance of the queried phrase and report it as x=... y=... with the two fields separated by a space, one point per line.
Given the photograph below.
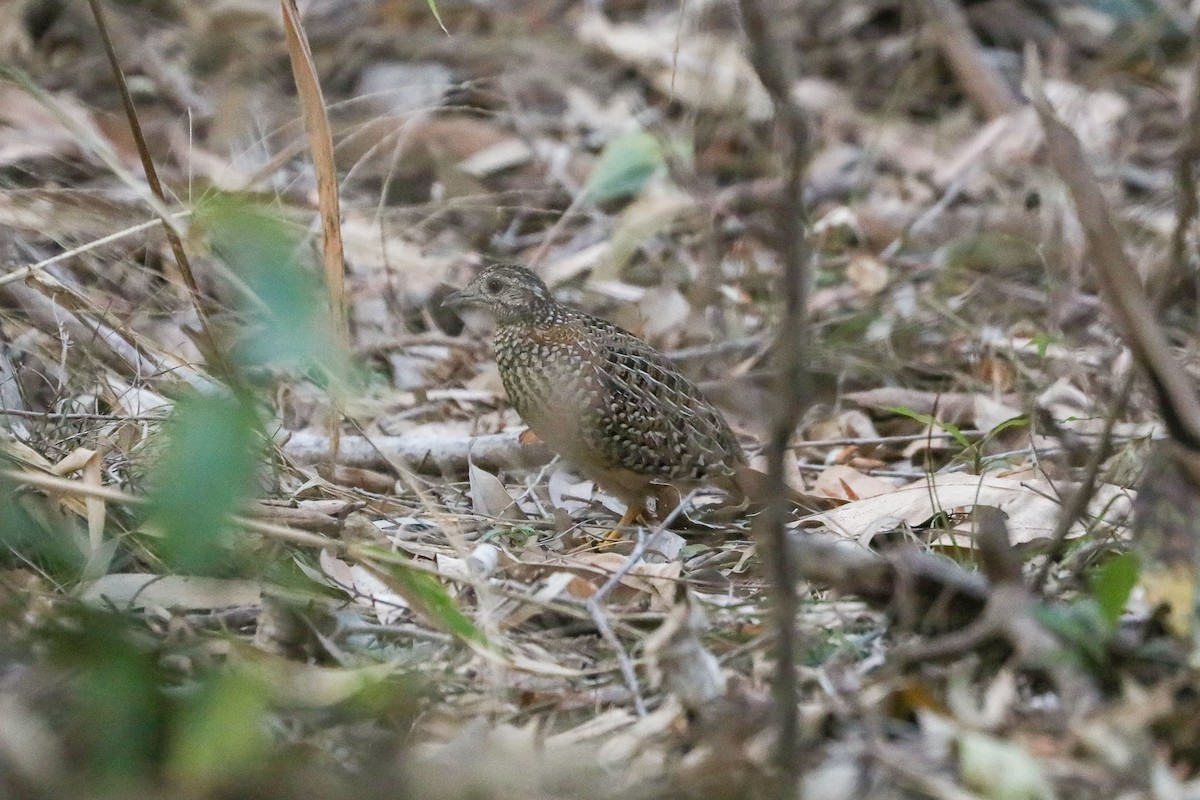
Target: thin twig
x=22 y=273
x=1186 y=206
x=1131 y=307
x=595 y=608
x=977 y=78
x=208 y=341
x=606 y=633
x=1078 y=503
x=771 y=62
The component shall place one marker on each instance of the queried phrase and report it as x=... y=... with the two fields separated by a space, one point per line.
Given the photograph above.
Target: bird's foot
x=633 y=514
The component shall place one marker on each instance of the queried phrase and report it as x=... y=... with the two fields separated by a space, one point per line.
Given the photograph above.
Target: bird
x=608 y=403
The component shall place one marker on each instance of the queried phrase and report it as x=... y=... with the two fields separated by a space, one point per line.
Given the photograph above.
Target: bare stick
x=1186 y=206
x=981 y=82
x=1078 y=503
x=1131 y=307
x=606 y=632
x=791 y=392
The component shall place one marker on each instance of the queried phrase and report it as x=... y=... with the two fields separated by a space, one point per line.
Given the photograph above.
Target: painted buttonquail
x=607 y=402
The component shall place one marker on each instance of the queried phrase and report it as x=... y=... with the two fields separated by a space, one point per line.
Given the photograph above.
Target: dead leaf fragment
x=490 y=498
x=846 y=483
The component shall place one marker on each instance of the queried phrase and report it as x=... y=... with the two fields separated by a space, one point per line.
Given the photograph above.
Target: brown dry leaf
x=418 y=144
x=599 y=727
x=1032 y=511
x=382 y=262
x=564 y=268
x=320 y=143
x=69 y=213
x=867 y=273
x=658 y=580
x=569 y=493
x=1016 y=138
x=1001 y=769
x=698 y=70
x=28 y=130
x=128 y=400
x=297 y=685
x=664 y=309
x=490 y=498
x=959 y=408
x=990 y=413
x=367 y=588
x=678 y=659
x=93 y=475
x=848 y=423
x=494 y=158
x=998 y=373
x=74 y=461
x=638 y=747
x=404 y=87
x=367 y=480
x=845 y=483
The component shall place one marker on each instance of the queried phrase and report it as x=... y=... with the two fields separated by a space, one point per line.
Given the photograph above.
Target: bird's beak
x=463 y=297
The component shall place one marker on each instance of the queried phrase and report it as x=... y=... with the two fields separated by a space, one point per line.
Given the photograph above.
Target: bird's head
x=512 y=293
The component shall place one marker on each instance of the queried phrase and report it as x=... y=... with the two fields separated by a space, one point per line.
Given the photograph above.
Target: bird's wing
x=658 y=421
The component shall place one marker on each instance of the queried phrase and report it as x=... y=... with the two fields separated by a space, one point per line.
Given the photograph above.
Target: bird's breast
x=548 y=376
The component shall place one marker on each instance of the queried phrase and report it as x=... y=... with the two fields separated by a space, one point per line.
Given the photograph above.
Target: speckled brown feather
x=599 y=396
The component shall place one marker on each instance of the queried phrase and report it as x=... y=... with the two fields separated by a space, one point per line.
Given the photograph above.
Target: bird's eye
x=493 y=286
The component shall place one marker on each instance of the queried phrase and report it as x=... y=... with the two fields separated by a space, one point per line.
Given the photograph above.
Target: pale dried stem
x=981 y=82
x=436 y=455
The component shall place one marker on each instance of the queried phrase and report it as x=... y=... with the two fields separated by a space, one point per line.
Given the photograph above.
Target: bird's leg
x=634 y=512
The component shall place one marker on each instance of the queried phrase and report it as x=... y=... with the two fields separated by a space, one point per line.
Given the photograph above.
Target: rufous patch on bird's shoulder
x=553 y=334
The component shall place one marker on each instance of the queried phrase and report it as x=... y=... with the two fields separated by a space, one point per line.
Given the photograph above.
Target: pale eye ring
x=493 y=285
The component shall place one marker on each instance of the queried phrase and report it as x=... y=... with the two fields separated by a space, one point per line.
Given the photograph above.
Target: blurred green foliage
x=32 y=534
x=140 y=708
x=625 y=166
x=282 y=306
x=205 y=474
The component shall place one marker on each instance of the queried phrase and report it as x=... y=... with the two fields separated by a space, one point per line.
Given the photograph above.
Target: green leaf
x=626 y=165
x=221 y=732
x=280 y=295
x=1112 y=583
x=44 y=539
x=203 y=476
x=432 y=599
x=434 y=9
x=1043 y=342
x=118 y=708
x=1019 y=421
x=925 y=419
x=426 y=595
x=1081 y=628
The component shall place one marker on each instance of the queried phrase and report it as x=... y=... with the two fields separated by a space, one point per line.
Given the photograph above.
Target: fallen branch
x=431 y=455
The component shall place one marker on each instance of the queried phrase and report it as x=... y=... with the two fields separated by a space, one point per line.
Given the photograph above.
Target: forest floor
x=197 y=603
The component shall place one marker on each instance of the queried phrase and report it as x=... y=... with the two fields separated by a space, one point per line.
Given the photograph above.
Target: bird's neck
x=545 y=315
